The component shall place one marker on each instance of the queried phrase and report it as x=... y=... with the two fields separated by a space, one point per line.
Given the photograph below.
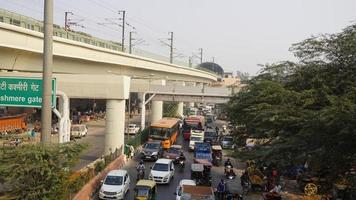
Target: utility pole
x=46 y=110
x=201 y=55
x=171 y=48
x=66 y=21
x=123 y=12
x=190 y=61
x=213 y=59
x=130 y=41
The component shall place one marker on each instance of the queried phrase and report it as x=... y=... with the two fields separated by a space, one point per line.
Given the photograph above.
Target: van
x=78 y=131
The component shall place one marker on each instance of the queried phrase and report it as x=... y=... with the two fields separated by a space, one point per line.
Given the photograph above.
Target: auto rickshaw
x=145 y=190
x=217 y=155
x=200 y=175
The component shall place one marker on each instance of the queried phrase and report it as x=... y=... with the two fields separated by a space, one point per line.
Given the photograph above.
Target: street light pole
x=46 y=110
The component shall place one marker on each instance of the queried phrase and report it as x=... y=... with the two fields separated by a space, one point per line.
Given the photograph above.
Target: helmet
x=141 y=162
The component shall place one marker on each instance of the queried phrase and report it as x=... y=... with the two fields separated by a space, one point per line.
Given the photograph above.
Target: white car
x=78 y=130
x=132 y=129
x=115 y=185
x=162 y=171
x=178 y=192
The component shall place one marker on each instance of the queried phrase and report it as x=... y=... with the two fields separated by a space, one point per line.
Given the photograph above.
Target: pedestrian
x=221 y=189
x=132 y=151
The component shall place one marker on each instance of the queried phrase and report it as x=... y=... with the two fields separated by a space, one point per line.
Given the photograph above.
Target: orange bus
x=166 y=130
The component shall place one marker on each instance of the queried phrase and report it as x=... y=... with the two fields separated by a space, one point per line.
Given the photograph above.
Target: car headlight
x=154 y=153
x=150 y=176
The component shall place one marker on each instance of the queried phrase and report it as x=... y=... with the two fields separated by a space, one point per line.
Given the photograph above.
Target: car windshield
x=160 y=167
x=196 y=138
x=113 y=180
x=151 y=146
x=142 y=192
x=229 y=139
x=75 y=128
x=173 y=150
x=158 y=132
x=132 y=126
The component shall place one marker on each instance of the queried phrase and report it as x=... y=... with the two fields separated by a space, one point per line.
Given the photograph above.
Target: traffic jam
x=192 y=145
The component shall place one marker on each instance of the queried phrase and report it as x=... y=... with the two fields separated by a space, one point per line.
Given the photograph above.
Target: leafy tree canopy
x=307 y=108
x=37 y=171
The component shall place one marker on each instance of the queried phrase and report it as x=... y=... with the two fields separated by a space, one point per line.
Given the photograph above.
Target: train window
x=1 y=19
x=32 y=27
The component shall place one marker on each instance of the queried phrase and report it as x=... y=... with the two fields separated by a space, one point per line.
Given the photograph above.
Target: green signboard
x=23 y=92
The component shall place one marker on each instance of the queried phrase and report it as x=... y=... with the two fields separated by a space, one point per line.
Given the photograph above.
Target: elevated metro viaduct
x=85 y=71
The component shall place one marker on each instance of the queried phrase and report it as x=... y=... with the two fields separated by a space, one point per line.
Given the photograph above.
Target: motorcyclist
x=231 y=173
x=140 y=167
x=228 y=163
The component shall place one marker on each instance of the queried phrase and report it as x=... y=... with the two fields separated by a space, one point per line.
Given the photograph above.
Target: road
x=166 y=192
x=96 y=141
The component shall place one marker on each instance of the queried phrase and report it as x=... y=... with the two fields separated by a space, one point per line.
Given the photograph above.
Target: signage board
x=23 y=92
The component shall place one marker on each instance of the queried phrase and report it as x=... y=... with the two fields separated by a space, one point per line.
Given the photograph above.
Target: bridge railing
x=36 y=25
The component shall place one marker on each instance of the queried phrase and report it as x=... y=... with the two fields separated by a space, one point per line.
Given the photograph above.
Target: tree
x=37 y=171
x=308 y=108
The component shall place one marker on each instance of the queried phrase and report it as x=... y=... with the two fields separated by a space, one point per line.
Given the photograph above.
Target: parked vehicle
x=162 y=171
x=152 y=150
x=227 y=142
x=195 y=136
x=145 y=190
x=183 y=182
x=115 y=185
x=78 y=130
x=174 y=153
x=12 y=123
x=132 y=129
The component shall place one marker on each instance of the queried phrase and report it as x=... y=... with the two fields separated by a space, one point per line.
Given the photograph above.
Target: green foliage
x=38 y=171
x=170 y=109
x=308 y=108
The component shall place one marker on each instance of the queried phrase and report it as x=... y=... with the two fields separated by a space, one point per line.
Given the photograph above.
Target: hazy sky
x=239 y=34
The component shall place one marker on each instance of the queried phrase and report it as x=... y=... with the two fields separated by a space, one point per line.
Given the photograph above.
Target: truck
x=12 y=123
x=195 y=192
x=195 y=136
x=202 y=154
x=193 y=122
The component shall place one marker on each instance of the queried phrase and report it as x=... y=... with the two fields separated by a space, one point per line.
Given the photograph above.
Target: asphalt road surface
x=166 y=192
x=96 y=141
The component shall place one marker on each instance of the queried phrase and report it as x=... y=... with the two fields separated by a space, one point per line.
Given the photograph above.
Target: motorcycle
x=181 y=165
x=227 y=169
x=245 y=187
x=230 y=175
x=140 y=174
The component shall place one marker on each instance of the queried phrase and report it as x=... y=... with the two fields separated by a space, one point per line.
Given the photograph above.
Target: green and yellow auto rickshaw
x=145 y=190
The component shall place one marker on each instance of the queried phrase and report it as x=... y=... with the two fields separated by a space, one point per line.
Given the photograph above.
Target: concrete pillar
x=180 y=108
x=157 y=106
x=156 y=111
x=192 y=104
x=115 y=125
